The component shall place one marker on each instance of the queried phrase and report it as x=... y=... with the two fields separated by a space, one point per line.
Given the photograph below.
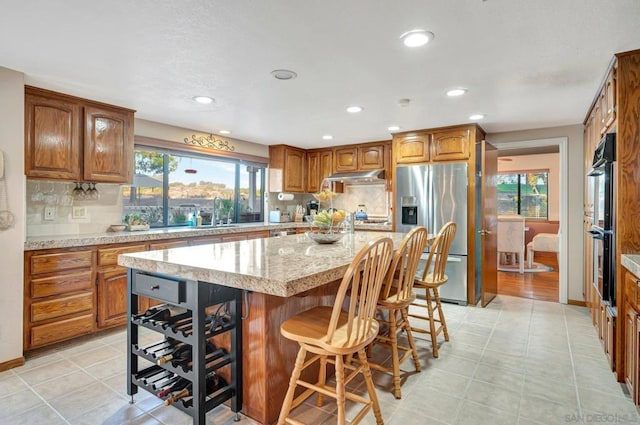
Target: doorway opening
x=532 y=182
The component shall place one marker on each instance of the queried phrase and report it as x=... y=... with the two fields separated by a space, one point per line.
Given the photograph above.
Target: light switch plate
x=79 y=212
x=49 y=213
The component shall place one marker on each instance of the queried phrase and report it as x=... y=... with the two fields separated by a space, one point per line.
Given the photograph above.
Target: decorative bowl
x=325 y=227
x=117 y=227
x=324 y=238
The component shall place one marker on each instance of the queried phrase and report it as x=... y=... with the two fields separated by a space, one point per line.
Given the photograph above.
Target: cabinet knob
x=155 y=287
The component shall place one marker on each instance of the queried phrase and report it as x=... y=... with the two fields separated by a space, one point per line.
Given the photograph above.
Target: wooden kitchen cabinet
x=112 y=293
x=631 y=351
x=287 y=169
x=346 y=158
x=610 y=337
x=371 y=157
x=319 y=167
x=74 y=139
x=450 y=145
x=108 y=145
x=52 y=137
x=411 y=148
x=59 y=302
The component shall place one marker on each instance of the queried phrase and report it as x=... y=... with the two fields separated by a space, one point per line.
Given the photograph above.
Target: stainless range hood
x=370 y=176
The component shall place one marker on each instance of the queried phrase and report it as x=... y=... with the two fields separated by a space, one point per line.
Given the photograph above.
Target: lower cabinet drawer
x=60 y=284
x=172 y=291
x=62 y=306
x=59 y=331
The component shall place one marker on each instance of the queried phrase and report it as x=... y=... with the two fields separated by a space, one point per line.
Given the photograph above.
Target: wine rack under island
x=184 y=363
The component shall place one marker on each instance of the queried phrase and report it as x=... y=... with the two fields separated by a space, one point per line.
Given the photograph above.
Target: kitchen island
x=282 y=277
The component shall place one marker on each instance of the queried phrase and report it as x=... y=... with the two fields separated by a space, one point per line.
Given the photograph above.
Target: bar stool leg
x=370 y=388
x=295 y=375
x=393 y=336
x=407 y=327
x=340 y=389
x=443 y=322
x=322 y=379
x=432 y=323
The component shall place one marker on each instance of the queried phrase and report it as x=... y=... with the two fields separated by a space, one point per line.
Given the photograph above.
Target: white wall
x=549 y=161
x=575 y=260
x=12 y=240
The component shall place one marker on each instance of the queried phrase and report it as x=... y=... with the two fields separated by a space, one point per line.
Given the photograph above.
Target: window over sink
x=169 y=187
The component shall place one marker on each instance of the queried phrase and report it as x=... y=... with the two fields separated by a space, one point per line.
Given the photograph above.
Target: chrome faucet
x=216 y=210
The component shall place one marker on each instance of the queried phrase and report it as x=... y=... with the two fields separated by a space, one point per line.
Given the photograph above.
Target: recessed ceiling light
x=224 y=132
x=205 y=100
x=393 y=128
x=354 y=109
x=456 y=92
x=476 y=117
x=404 y=102
x=284 y=74
x=327 y=137
x=416 y=38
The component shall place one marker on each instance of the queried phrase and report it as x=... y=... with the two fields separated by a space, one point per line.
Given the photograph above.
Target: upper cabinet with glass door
x=73 y=139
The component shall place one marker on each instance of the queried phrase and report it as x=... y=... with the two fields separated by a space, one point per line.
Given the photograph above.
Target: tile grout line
x=573 y=365
x=484 y=348
x=43 y=400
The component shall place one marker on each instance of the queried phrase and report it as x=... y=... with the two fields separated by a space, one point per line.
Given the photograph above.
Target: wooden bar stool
x=396 y=296
x=432 y=278
x=331 y=332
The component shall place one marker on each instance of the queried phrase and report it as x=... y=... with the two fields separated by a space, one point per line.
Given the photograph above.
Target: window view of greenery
x=172 y=189
x=524 y=194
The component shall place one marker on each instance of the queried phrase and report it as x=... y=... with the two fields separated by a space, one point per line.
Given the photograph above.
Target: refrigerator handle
x=430 y=209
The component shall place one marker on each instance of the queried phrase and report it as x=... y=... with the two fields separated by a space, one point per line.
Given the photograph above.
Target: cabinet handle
x=155 y=287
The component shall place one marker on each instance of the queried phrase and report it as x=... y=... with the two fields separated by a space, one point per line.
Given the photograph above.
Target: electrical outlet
x=49 y=213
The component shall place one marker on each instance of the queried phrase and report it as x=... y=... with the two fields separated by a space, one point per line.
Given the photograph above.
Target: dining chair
x=433 y=277
x=329 y=333
x=395 y=298
x=511 y=237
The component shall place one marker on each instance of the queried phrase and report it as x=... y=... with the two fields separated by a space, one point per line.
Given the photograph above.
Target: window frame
x=519 y=195
x=238 y=159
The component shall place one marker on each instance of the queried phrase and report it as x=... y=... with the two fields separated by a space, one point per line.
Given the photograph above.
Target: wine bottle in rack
x=177 y=385
x=162 y=314
x=182 y=355
x=213 y=383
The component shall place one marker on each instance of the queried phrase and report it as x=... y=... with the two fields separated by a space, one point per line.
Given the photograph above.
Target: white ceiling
x=526 y=64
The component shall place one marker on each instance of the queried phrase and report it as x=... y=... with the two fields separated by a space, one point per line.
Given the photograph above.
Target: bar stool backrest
x=438 y=255
x=402 y=271
x=362 y=283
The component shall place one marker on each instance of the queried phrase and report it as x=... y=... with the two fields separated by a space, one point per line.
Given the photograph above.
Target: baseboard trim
x=578 y=303
x=10 y=364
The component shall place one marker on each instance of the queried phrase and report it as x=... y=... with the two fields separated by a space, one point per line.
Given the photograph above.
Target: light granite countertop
x=69 y=241
x=282 y=266
x=631 y=262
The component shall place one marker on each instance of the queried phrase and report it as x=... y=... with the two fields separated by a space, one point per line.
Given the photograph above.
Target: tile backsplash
x=373 y=196
x=79 y=218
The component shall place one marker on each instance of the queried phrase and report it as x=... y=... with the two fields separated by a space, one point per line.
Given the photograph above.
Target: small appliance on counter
x=278 y=216
x=313 y=206
x=361 y=213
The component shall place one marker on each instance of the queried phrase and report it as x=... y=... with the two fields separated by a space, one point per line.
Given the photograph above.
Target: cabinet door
x=450 y=145
x=411 y=149
x=630 y=349
x=371 y=157
x=346 y=159
x=52 y=138
x=108 y=145
x=294 y=170
x=326 y=164
x=313 y=171
x=609 y=345
x=112 y=297
x=610 y=98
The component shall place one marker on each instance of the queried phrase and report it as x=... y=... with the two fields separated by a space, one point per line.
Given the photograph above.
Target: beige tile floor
x=518 y=361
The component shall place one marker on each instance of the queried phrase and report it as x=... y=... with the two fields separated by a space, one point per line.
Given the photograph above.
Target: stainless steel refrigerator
x=432 y=195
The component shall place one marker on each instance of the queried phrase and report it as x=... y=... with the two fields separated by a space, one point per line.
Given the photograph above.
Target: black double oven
x=603 y=229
